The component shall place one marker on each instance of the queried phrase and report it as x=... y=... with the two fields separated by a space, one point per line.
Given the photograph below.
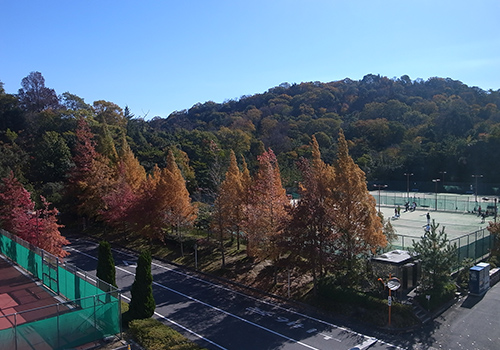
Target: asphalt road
x=472 y=323
x=217 y=317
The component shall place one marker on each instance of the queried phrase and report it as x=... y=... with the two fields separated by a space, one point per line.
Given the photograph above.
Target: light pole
x=436 y=191
x=475 y=188
x=442 y=177
x=379 y=187
x=408 y=185
x=495 y=210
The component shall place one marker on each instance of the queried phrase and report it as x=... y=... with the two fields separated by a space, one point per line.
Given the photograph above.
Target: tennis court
x=464 y=227
x=47 y=304
x=22 y=300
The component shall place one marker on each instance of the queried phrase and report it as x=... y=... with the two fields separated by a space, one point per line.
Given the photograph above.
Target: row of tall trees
x=121 y=194
x=329 y=230
x=98 y=162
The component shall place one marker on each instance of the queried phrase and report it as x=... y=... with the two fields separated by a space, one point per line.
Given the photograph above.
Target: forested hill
x=394 y=126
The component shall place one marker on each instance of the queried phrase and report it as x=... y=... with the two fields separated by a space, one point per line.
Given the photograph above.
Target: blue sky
x=161 y=56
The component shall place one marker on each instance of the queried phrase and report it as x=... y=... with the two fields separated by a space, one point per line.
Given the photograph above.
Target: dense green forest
x=393 y=126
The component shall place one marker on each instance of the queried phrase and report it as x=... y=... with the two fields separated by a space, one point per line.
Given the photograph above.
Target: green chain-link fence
x=90 y=313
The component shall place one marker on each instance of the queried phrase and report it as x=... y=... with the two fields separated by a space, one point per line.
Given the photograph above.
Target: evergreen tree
x=142 y=303
x=106 y=264
x=438 y=257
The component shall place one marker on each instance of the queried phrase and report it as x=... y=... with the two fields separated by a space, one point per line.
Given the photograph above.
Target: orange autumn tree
x=131 y=169
x=147 y=214
x=265 y=210
x=180 y=212
x=308 y=232
x=149 y=205
x=228 y=206
x=357 y=229
x=125 y=192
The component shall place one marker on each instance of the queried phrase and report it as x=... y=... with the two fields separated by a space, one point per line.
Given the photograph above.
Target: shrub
x=154 y=335
x=364 y=306
x=438 y=297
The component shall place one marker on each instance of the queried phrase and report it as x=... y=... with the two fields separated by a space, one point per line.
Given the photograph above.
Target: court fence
x=91 y=309
x=441 y=202
x=475 y=245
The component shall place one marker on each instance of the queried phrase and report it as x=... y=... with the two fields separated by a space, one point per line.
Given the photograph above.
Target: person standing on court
x=428 y=218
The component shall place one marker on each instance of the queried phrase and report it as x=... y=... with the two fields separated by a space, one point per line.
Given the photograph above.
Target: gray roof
x=395 y=256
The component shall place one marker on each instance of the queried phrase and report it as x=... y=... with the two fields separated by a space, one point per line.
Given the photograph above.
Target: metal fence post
x=57 y=275
x=468 y=246
x=15 y=330
x=58 y=328
x=475 y=247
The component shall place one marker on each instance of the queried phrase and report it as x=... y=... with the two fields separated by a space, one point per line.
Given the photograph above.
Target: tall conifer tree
x=309 y=229
x=142 y=303
x=265 y=211
x=180 y=211
x=106 y=264
x=228 y=206
x=356 y=226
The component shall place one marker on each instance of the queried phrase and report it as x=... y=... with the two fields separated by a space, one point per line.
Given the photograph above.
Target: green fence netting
x=91 y=312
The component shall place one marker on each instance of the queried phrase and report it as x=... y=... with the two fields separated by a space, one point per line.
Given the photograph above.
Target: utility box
x=479 y=279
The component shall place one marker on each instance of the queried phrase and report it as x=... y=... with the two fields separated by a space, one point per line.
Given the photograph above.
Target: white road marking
x=156 y=313
x=213 y=307
x=251 y=297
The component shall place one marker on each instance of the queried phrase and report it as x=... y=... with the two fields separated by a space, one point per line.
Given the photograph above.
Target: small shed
x=398 y=263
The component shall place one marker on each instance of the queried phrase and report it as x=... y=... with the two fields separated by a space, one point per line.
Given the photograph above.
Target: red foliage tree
x=38 y=227
x=92 y=177
x=16 y=208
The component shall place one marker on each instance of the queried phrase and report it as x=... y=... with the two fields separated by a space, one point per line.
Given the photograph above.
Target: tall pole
x=408 y=185
x=436 y=192
x=475 y=188
x=389 y=301
x=495 y=210
x=442 y=177
x=379 y=187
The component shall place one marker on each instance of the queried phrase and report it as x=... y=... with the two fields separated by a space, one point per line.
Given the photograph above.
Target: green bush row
x=366 y=306
x=151 y=334
x=438 y=297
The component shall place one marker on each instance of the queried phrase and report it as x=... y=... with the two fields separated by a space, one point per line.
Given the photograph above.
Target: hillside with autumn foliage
x=219 y=176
